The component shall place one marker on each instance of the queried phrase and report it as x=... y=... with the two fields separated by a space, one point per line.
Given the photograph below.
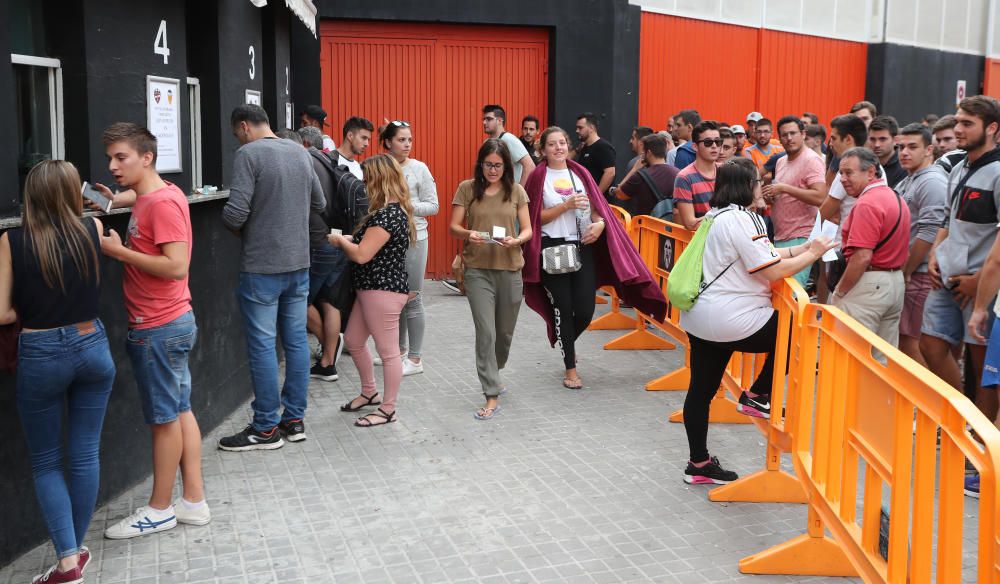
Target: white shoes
x=200 y=516
x=142 y=521
x=411 y=368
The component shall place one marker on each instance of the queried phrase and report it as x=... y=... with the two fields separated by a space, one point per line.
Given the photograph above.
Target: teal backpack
x=685 y=282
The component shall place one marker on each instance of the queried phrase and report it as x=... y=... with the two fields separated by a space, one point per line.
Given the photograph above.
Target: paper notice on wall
x=288 y=116
x=163 y=118
x=959 y=92
x=825 y=229
x=252 y=97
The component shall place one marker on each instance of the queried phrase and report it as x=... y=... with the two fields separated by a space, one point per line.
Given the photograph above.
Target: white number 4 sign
x=160 y=43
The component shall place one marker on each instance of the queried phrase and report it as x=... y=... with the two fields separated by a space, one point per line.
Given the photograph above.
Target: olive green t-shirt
x=485 y=214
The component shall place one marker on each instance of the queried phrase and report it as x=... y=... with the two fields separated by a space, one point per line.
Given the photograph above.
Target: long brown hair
x=493 y=146
x=52 y=209
x=386 y=184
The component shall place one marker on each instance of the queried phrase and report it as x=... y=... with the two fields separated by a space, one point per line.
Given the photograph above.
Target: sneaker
x=250 y=439
x=377 y=361
x=324 y=372
x=84 y=560
x=451 y=285
x=757 y=407
x=294 y=430
x=972 y=486
x=411 y=368
x=144 y=521
x=710 y=474
x=54 y=576
x=197 y=516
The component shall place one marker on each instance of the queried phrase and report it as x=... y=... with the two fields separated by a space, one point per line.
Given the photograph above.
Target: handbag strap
x=899 y=201
x=572 y=180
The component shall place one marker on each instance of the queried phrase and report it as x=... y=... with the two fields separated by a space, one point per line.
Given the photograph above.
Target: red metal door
x=436 y=77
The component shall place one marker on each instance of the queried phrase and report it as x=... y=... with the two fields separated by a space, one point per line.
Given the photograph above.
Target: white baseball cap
x=755 y=117
x=737 y=129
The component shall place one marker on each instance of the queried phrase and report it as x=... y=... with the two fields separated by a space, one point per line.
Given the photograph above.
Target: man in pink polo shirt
x=876 y=243
x=799 y=188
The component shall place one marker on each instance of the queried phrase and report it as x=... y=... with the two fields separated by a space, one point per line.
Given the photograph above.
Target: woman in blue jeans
x=50 y=273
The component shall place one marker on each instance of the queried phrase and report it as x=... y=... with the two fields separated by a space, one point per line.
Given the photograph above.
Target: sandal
x=365 y=422
x=572 y=383
x=486 y=413
x=369 y=401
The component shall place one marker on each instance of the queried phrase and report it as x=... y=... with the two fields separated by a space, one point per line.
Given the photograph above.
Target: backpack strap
x=652 y=185
x=705 y=287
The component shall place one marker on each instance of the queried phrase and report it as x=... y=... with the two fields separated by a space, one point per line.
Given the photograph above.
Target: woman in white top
x=397 y=139
x=738 y=267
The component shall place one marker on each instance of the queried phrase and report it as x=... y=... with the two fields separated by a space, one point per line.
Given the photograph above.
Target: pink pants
x=376 y=314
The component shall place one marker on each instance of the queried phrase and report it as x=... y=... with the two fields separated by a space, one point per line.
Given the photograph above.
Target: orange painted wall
x=991 y=78
x=436 y=77
x=726 y=71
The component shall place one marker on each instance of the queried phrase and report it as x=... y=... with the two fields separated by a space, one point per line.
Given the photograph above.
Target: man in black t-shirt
x=596 y=154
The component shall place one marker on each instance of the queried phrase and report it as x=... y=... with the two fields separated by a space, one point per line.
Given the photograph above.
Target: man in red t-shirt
x=162 y=328
x=876 y=244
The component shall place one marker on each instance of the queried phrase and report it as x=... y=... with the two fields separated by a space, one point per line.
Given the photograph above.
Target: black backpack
x=349 y=201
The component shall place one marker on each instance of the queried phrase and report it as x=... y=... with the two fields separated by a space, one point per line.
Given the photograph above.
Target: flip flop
x=490 y=412
x=573 y=383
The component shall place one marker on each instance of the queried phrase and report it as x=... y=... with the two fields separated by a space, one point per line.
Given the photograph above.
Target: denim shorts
x=945 y=320
x=991 y=366
x=327 y=264
x=159 y=358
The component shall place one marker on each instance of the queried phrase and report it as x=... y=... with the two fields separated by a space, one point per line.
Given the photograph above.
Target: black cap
x=315 y=112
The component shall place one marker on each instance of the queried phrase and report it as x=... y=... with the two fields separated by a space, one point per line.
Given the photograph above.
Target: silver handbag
x=561 y=259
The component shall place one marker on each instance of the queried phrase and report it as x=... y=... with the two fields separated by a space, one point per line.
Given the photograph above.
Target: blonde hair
x=386 y=184
x=52 y=209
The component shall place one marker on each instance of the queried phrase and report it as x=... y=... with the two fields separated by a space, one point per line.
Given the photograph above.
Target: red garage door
x=436 y=77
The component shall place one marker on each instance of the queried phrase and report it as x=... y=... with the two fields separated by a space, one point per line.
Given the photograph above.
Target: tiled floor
x=563 y=486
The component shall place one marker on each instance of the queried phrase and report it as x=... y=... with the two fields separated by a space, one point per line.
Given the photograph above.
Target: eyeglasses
x=492 y=166
x=709 y=142
x=490 y=118
x=400 y=124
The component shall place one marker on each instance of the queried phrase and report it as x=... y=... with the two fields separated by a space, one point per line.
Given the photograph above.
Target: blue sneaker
x=972 y=486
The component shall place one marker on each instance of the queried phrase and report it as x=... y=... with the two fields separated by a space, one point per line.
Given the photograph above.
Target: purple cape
x=617 y=262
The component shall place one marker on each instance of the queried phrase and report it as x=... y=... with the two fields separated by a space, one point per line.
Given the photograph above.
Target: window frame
x=56 y=120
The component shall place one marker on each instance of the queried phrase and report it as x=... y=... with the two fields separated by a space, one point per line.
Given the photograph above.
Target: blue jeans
x=273 y=303
x=159 y=357
x=71 y=369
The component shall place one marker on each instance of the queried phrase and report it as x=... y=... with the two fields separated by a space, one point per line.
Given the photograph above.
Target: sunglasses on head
x=709 y=142
x=400 y=124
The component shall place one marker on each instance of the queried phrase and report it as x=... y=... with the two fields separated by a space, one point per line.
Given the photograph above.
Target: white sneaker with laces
x=411 y=368
x=185 y=514
x=143 y=521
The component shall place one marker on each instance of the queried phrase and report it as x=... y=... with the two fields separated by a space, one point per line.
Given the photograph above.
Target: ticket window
x=39 y=111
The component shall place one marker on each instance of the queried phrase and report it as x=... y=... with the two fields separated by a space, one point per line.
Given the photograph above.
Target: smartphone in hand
x=95 y=196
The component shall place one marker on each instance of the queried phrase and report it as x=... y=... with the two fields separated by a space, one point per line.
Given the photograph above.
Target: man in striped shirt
x=695 y=183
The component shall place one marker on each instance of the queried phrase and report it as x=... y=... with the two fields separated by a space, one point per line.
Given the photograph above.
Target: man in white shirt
x=357 y=136
x=494 y=119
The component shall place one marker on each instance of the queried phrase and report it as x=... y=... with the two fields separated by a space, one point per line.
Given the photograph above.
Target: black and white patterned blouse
x=387 y=270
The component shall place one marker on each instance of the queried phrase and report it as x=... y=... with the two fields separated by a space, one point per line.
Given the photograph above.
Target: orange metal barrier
x=658 y=242
x=614 y=320
x=854 y=413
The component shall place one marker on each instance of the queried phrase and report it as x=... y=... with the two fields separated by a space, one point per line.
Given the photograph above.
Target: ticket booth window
x=38 y=106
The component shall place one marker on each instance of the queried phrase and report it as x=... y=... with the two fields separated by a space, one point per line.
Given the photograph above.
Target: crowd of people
x=337 y=247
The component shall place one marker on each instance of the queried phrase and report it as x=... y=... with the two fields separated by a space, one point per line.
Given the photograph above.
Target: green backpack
x=685 y=282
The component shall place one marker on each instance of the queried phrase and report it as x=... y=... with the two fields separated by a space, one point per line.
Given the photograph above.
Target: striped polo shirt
x=692 y=187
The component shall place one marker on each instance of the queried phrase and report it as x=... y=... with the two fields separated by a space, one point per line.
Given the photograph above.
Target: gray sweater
x=926 y=194
x=273 y=188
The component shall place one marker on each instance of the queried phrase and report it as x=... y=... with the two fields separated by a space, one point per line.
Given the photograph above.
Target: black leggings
x=572 y=298
x=709 y=360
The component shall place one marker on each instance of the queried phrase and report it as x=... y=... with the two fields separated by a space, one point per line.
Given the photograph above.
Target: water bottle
x=583 y=215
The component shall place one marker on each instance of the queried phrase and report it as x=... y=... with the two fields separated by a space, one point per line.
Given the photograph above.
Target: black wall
x=594 y=63
x=106 y=51
x=8 y=143
x=911 y=82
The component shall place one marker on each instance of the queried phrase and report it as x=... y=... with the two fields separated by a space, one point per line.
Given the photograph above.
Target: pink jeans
x=376 y=314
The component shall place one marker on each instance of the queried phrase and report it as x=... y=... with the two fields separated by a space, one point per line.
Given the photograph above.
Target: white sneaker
x=143 y=521
x=185 y=514
x=377 y=361
x=411 y=368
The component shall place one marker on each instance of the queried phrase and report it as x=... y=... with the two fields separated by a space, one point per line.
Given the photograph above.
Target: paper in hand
x=825 y=229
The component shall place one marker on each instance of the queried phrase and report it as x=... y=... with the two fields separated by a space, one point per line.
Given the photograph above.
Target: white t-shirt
x=560 y=185
x=353 y=165
x=328 y=144
x=738 y=303
x=517 y=152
